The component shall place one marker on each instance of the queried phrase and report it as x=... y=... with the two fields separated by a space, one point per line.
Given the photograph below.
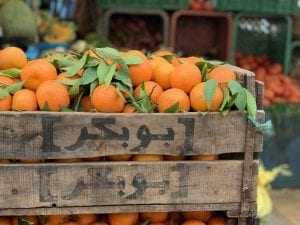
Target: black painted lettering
x=45 y=191
x=48 y=123
x=188 y=145
x=183 y=171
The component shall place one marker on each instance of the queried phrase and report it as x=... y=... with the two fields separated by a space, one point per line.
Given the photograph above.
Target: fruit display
x=279 y=88
x=108 y=81
x=132 y=218
x=201 y=5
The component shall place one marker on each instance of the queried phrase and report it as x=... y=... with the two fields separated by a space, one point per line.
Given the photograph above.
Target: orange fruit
x=191 y=59
x=205 y=157
x=158 y=224
x=99 y=223
x=174 y=157
x=162 y=74
x=222 y=74
x=69 y=160
x=6 y=81
x=12 y=57
x=156 y=60
x=217 y=221
x=123 y=157
x=123 y=218
x=62 y=77
x=4 y=220
x=34 y=220
x=30 y=161
x=176 y=217
x=85 y=219
x=150 y=88
x=54 y=94
x=86 y=103
x=4 y=161
x=139 y=72
x=106 y=99
x=5 y=103
x=172 y=96
x=198 y=102
x=36 y=72
x=54 y=219
x=93 y=159
x=147 y=157
x=203 y=216
x=15 y=220
x=185 y=77
x=154 y=217
x=193 y=222
x=70 y=223
x=24 y=100
x=129 y=109
x=162 y=53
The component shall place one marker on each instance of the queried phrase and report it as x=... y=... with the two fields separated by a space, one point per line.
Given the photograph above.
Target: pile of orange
x=150 y=218
x=177 y=84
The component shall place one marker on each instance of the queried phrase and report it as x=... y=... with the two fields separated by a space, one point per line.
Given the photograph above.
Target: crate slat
x=123 y=183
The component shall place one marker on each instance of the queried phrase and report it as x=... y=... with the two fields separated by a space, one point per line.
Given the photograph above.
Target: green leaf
x=46 y=107
x=23 y=221
x=102 y=70
x=235 y=87
x=15 y=87
x=251 y=104
x=225 y=98
x=172 y=109
x=12 y=73
x=74 y=90
x=93 y=86
x=123 y=65
x=64 y=61
x=72 y=70
x=214 y=62
x=225 y=112
x=169 y=58
x=240 y=101
x=77 y=101
x=132 y=59
x=108 y=53
x=70 y=82
x=202 y=113
x=210 y=87
x=145 y=222
x=3 y=93
x=89 y=75
x=204 y=72
x=65 y=109
x=123 y=77
x=109 y=76
x=125 y=89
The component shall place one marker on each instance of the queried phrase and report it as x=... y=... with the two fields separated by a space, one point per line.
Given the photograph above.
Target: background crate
x=279 y=7
x=157 y=19
x=283 y=147
x=144 y=4
x=205 y=34
x=260 y=34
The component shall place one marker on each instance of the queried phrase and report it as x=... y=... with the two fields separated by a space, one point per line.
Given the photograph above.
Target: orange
x=12 y=57
x=156 y=60
x=172 y=96
x=139 y=72
x=203 y=216
x=162 y=74
x=217 y=221
x=205 y=157
x=24 y=100
x=54 y=219
x=4 y=220
x=106 y=99
x=70 y=160
x=154 y=217
x=6 y=81
x=123 y=157
x=147 y=157
x=30 y=161
x=191 y=59
x=85 y=219
x=62 y=77
x=70 y=223
x=15 y=220
x=36 y=72
x=86 y=103
x=99 y=223
x=185 y=77
x=150 y=88
x=162 y=53
x=53 y=94
x=34 y=220
x=222 y=74
x=176 y=217
x=93 y=159
x=158 y=224
x=4 y=161
x=174 y=157
x=5 y=103
x=198 y=101
x=193 y=222
x=129 y=109
x=123 y=218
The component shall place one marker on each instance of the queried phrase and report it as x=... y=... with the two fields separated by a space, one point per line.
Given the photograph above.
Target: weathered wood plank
x=259 y=89
x=122 y=183
x=42 y=135
x=120 y=208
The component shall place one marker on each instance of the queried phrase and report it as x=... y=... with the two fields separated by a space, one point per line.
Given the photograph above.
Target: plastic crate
x=206 y=34
x=144 y=4
x=281 y=7
x=261 y=34
x=157 y=21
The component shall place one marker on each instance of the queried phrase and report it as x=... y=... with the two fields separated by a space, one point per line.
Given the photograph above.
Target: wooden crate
x=106 y=187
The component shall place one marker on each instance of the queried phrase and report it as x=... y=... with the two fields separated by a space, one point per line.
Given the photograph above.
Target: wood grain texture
x=122 y=183
x=259 y=89
x=42 y=135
